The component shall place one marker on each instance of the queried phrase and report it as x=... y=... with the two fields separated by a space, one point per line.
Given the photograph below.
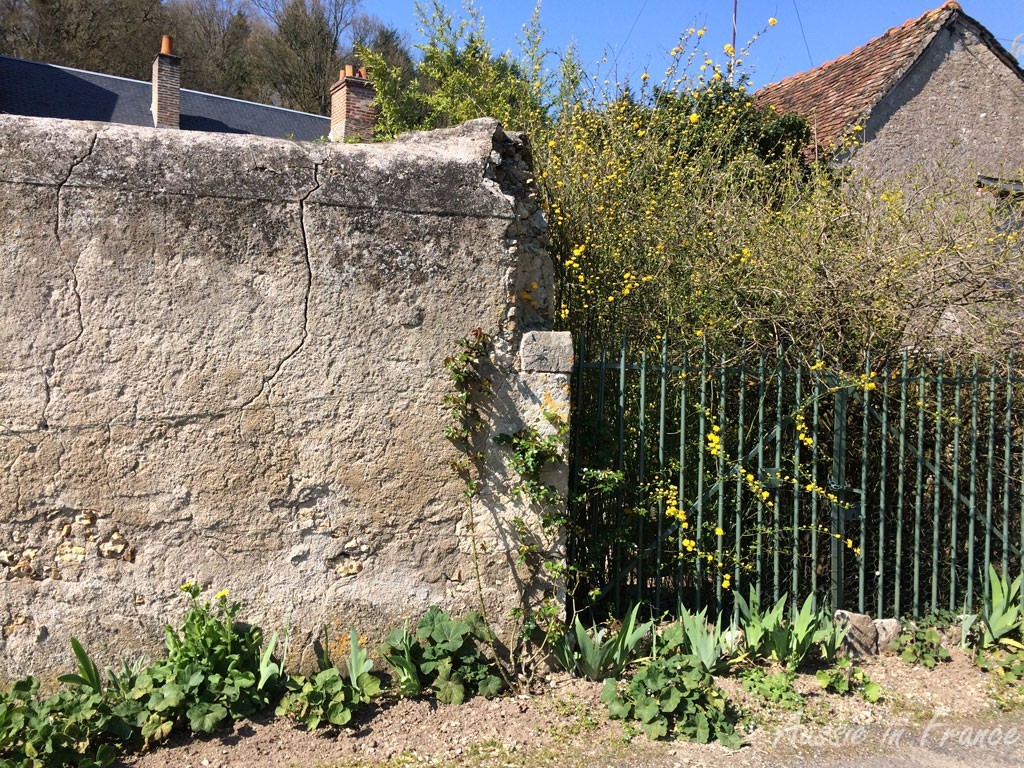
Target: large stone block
x=222 y=359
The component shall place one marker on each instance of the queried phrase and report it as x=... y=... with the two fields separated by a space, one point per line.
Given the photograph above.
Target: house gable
x=938 y=88
x=960 y=107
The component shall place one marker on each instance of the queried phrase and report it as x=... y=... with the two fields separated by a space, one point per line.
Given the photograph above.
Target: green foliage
x=691 y=635
x=671 y=696
x=921 y=645
x=844 y=678
x=776 y=688
x=1000 y=618
x=72 y=727
x=532 y=453
x=1007 y=666
x=329 y=696
x=773 y=636
x=599 y=653
x=463 y=369
x=446 y=655
x=214 y=671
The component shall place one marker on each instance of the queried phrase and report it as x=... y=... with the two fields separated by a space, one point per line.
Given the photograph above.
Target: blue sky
x=637 y=33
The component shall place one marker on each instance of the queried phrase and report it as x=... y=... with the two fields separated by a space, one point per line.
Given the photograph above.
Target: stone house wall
x=959 y=106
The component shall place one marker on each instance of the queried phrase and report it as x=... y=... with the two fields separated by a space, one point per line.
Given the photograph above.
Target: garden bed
x=567 y=725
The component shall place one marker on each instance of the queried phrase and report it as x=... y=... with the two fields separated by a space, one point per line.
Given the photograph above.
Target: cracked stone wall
x=221 y=359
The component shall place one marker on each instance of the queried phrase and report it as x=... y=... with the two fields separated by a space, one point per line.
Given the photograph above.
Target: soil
x=923 y=712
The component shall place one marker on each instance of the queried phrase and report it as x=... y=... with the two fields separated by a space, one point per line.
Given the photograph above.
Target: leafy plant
x=1008 y=666
x=446 y=655
x=532 y=453
x=999 y=622
x=671 y=695
x=72 y=727
x=844 y=678
x=329 y=696
x=598 y=653
x=771 y=635
x=776 y=688
x=691 y=635
x=921 y=645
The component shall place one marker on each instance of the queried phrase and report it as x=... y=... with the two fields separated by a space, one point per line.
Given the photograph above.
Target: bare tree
x=101 y=35
x=302 y=53
x=217 y=43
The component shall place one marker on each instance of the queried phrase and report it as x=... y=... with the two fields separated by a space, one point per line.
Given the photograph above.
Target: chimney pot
x=167 y=45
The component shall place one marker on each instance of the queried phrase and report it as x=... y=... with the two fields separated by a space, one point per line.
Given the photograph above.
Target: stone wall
x=221 y=359
x=959 y=106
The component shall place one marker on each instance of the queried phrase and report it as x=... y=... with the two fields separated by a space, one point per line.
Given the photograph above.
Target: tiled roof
x=47 y=90
x=838 y=94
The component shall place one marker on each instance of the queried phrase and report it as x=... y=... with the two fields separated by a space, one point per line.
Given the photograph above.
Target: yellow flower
x=645 y=77
x=719 y=532
x=694 y=118
x=187 y=586
x=221 y=595
x=729 y=50
x=772 y=21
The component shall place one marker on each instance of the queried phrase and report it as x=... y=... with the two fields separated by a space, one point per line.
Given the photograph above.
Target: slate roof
x=47 y=90
x=841 y=93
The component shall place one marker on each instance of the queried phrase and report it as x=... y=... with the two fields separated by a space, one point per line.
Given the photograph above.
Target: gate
x=888 y=490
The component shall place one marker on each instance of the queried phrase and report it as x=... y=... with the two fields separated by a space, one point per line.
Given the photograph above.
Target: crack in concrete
x=48 y=372
x=268 y=382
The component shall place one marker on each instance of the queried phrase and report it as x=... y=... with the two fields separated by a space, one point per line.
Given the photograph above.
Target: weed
x=844 y=678
x=776 y=688
x=921 y=645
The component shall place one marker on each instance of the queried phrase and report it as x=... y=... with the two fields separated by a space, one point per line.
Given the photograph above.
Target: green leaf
x=490 y=686
x=871 y=692
x=168 y=696
x=338 y=713
x=656 y=729
x=450 y=691
x=647 y=710
x=609 y=692
x=204 y=717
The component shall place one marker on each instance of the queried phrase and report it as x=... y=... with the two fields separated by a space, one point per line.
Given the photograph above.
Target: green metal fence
x=885 y=490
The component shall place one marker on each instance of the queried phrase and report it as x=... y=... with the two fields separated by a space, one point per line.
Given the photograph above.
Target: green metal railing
x=888 y=490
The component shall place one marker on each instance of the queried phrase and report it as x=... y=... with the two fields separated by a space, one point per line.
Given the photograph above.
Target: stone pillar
x=167 y=86
x=353 y=113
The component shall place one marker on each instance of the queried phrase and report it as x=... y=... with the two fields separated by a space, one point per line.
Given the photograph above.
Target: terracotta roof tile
x=836 y=95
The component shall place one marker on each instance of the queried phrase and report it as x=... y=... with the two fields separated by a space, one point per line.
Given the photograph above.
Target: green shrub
x=921 y=645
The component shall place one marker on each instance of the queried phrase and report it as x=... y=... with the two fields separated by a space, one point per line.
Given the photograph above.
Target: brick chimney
x=167 y=86
x=352 y=111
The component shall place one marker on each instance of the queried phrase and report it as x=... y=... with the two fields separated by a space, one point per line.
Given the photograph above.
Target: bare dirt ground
x=950 y=716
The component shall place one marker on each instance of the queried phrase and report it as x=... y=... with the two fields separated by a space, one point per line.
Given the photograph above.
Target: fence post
x=838 y=485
